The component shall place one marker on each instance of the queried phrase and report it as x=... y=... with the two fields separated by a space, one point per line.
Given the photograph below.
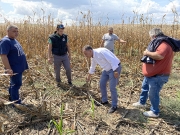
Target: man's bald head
x=12 y=31
x=110 y=30
x=88 y=51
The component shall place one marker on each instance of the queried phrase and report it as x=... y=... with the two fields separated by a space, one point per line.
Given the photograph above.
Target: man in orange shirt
x=156 y=74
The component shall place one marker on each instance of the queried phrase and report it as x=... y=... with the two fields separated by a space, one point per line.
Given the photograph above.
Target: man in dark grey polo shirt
x=109 y=38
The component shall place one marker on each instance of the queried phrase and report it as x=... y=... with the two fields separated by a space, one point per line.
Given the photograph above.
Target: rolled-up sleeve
x=93 y=66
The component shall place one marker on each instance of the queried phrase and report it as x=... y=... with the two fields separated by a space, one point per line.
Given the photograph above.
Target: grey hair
x=87 y=47
x=110 y=28
x=155 y=32
x=9 y=27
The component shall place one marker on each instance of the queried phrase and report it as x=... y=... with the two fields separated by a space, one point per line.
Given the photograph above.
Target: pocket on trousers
x=164 y=79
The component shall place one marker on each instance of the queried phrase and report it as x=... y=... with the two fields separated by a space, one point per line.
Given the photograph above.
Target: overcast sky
x=68 y=10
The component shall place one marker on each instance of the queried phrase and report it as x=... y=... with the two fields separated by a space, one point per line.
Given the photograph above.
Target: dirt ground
x=44 y=98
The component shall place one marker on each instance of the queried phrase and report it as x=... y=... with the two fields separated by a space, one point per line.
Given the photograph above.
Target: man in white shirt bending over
x=111 y=71
x=109 y=38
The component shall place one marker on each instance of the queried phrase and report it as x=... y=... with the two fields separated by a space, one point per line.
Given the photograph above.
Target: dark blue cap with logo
x=60 y=26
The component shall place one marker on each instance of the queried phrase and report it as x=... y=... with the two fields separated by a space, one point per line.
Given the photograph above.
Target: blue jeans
x=112 y=51
x=109 y=75
x=151 y=86
x=15 y=84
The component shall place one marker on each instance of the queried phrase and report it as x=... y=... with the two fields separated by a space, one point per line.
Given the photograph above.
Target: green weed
x=91 y=110
x=59 y=125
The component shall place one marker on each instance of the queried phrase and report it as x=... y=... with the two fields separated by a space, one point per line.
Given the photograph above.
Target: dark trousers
x=58 y=61
x=15 y=84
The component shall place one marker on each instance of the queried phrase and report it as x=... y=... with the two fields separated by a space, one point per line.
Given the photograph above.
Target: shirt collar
x=58 y=35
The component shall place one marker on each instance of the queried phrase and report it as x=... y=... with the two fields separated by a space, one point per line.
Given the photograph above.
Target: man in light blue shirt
x=109 y=39
x=111 y=71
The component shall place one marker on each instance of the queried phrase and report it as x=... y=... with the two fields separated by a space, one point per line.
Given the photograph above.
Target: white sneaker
x=138 y=104
x=150 y=114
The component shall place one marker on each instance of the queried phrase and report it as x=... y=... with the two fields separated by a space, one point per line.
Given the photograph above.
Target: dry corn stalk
x=5 y=102
x=1 y=127
x=22 y=108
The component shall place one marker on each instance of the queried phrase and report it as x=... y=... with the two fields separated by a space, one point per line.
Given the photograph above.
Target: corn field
x=40 y=92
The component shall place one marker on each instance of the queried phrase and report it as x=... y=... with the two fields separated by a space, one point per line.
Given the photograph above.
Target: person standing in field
x=111 y=71
x=109 y=38
x=156 y=70
x=14 y=61
x=59 y=53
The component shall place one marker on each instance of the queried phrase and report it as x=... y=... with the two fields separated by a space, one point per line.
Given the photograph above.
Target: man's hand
x=88 y=78
x=102 y=43
x=69 y=56
x=9 y=71
x=50 y=60
x=145 y=52
x=123 y=41
x=116 y=74
x=153 y=55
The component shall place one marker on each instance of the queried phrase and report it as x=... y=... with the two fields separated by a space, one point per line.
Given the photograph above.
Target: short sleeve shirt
x=109 y=40
x=161 y=66
x=15 y=54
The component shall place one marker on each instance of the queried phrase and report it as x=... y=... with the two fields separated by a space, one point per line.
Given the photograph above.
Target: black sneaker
x=112 y=109
x=59 y=83
x=70 y=83
x=103 y=103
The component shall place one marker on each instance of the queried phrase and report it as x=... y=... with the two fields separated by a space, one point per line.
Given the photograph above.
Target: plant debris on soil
x=42 y=99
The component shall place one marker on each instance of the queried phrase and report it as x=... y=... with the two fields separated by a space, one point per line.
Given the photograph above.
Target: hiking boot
x=59 y=84
x=112 y=109
x=150 y=114
x=138 y=104
x=70 y=83
x=103 y=103
x=177 y=126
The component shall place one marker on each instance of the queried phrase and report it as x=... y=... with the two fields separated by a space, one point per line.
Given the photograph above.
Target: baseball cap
x=60 y=26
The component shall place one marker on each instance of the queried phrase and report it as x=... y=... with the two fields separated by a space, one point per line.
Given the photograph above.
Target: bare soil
x=43 y=100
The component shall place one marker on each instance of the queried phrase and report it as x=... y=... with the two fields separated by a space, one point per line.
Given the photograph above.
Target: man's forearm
x=154 y=55
x=49 y=51
x=121 y=41
x=88 y=77
x=102 y=43
x=69 y=51
x=49 y=54
x=5 y=62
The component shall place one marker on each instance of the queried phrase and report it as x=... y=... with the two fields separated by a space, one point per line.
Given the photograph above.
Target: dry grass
x=39 y=89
